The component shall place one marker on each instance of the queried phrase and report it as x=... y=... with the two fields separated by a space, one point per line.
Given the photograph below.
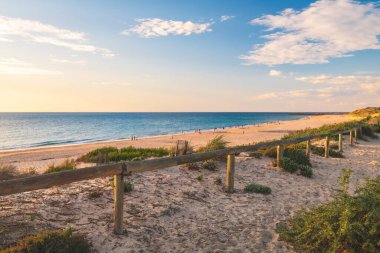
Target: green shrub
x=258 y=188
x=346 y=224
x=199 y=177
x=66 y=165
x=57 y=241
x=289 y=165
x=325 y=129
x=218 y=181
x=111 y=154
x=306 y=171
x=218 y=142
x=368 y=131
x=297 y=155
x=209 y=165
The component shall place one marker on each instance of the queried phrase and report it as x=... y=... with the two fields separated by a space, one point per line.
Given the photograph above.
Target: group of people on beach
x=133 y=138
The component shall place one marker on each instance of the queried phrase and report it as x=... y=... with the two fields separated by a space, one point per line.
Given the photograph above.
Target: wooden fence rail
x=118 y=170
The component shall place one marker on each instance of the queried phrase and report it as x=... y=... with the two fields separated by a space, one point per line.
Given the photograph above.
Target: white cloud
x=155 y=27
x=370 y=85
x=11 y=28
x=65 y=61
x=225 y=18
x=326 y=29
x=275 y=73
x=17 y=67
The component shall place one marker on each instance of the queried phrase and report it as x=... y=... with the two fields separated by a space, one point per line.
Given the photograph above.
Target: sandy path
x=170 y=211
x=40 y=158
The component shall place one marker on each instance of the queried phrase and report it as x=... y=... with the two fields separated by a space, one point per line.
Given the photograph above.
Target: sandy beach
x=40 y=158
x=170 y=211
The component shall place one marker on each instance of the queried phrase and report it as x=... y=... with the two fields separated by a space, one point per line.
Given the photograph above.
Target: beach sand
x=170 y=211
x=41 y=158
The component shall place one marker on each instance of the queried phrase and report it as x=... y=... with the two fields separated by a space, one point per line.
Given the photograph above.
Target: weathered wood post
x=118 y=203
x=351 y=142
x=280 y=154
x=230 y=175
x=327 y=145
x=356 y=135
x=308 y=148
x=340 y=143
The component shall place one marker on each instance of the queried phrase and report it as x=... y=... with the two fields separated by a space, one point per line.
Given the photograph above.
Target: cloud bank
x=326 y=29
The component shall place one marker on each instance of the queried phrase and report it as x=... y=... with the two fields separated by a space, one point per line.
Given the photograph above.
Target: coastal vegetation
x=8 y=172
x=112 y=154
x=66 y=165
x=257 y=188
x=349 y=223
x=127 y=186
x=57 y=241
x=218 y=142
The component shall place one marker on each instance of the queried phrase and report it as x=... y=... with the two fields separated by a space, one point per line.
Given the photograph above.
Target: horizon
x=165 y=56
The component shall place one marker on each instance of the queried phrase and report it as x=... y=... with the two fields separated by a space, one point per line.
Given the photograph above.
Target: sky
x=189 y=56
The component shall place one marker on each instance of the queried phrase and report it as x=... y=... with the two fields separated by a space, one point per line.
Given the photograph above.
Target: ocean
x=30 y=130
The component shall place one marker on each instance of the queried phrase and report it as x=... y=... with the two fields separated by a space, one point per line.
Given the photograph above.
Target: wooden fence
x=119 y=170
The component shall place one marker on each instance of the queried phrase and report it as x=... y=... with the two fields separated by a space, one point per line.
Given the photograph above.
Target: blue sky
x=189 y=55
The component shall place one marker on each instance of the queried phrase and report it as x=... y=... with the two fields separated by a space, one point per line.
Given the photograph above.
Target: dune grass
x=64 y=166
x=112 y=154
x=57 y=241
x=8 y=172
x=218 y=142
x=346 y=224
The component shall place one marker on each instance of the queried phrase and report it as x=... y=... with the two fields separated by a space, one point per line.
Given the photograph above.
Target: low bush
x=369 y=131
x=111 y=154
x=306 y=171
x=258 y=188
x=218 y=181
x=218 y=142
x=346 y=224
x=66 y=165
x=199 y=177
x=297 y=155
x=209 y=165
x=57 y=241
x=289 y=165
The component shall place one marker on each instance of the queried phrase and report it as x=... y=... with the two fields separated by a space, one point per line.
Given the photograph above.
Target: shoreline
x=41 y=157
x=5 y=151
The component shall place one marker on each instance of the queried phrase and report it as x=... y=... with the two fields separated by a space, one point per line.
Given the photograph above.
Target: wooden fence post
x=327 y=144
x=280 y=154
x=118 y=203
x=356 y=135
x=308 y=148
x=351 y=142
x=230 y=175
x=340 y=143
